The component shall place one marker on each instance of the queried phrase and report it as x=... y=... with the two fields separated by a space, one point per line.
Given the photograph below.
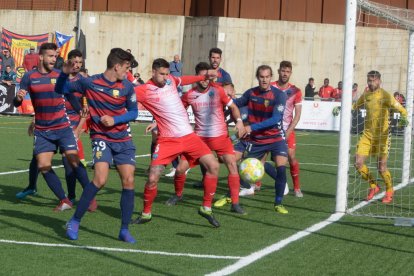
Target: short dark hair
x=215 y=51
x=118 y=56
x=160 y=63
x=75 y=53
x=47 y=46
x=374 y=74
x=83 y=70
x=263 y=67
x=202 y=66
x=311 y=79
x=325 y=79
x=8 y=66
x=285 y=64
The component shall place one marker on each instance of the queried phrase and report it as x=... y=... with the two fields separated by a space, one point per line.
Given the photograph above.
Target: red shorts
x=221 y=145
x=168 y=148
x=291 y=141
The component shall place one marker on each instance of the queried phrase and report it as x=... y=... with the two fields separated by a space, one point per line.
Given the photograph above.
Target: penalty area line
x=247 y=260
x=61 y=166
x=123 y=250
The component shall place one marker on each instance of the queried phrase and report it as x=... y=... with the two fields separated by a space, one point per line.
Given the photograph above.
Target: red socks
x=294 y=172
x=210 y=185
x=234 y=187
x=179 y=181
x=149 y=196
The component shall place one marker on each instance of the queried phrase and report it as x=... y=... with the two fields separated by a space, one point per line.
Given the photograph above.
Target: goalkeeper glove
x=403 y=122
x=336 y=110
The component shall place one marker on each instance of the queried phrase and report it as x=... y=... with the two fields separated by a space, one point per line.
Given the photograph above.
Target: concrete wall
x=315 y=49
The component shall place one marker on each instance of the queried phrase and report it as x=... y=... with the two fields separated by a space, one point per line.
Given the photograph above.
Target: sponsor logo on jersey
x=115 y=93
x=53 y=81
x=168 y=82
x=266 y=103
x=211 y=93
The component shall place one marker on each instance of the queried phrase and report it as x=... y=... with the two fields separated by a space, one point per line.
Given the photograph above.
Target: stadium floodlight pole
x=346 y=104
x=79 y=21
x=409 y=107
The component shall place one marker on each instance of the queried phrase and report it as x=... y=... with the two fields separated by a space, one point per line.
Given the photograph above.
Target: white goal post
x=402 y=19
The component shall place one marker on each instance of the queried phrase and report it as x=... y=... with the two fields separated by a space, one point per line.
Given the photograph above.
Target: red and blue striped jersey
x=71 y=110
x=49 y=106
x=223 y=78
x=265 y=114
x=106 y=98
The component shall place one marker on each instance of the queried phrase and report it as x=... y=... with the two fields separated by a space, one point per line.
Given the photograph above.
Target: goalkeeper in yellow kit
x=375 y=139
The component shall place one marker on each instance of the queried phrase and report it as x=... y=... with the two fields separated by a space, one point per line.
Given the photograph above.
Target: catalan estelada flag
x=19 y=45
x=65 y=43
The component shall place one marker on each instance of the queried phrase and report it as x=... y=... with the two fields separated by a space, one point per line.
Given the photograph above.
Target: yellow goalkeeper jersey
x=378 y=105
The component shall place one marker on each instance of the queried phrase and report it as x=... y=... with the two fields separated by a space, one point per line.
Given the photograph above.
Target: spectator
x=355 y=93
x=337 y=92
x=325 y=92
x=137 y=76
x=30 y=60
x=8 y=77
x=310 y=89
x=400 y=98
x=59 y=60
x=6 y=59
x=176 y=67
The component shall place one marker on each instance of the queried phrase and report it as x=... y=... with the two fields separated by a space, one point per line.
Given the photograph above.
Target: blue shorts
x=117 y=153
x=242 y=146
x=259 y=150
x=51 y=140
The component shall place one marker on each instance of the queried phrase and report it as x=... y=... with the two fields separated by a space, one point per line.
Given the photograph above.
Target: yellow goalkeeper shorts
x=370 y=146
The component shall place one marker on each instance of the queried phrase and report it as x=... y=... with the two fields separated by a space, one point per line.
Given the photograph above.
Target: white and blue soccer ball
x=251 y=170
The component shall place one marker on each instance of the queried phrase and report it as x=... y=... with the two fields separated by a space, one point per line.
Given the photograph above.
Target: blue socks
x=54 y=184
x=81 y=174
x=280 y=184
x=270 y=170
x=89 y=192
x=70 y=178
x=33 y=173
x=127 y=207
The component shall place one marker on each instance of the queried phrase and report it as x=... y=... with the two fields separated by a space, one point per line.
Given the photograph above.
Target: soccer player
x=223 y=79
x=52 y=126
x=293 y=104
x=207 y=101
x=73 y=110
x=112 y=104
x=266 y=105
x=375 y=139
x=176 y=136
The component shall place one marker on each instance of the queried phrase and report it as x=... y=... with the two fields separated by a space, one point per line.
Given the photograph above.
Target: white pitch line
x=60 y=166
x=113 y=249
x=245 y=261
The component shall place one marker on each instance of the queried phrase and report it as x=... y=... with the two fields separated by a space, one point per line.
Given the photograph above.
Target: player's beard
x=48 y=66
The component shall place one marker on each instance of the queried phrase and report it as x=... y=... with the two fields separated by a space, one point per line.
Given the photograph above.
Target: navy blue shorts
x=242 y=146
x=259 y=150
x=51 y=140
x=117 y=153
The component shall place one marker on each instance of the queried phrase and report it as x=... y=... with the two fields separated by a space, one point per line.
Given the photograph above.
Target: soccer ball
x=251 y=170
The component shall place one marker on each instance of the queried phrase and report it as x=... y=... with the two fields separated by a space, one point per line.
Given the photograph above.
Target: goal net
x=382 y=44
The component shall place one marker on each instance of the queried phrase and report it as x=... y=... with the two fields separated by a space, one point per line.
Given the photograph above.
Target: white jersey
x=165 y=105
x=208 y=110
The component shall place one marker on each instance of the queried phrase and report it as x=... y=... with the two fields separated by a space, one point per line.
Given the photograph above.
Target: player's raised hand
x=68 y=67
x=21 y=94
x=107 y=120
x=211 y=74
